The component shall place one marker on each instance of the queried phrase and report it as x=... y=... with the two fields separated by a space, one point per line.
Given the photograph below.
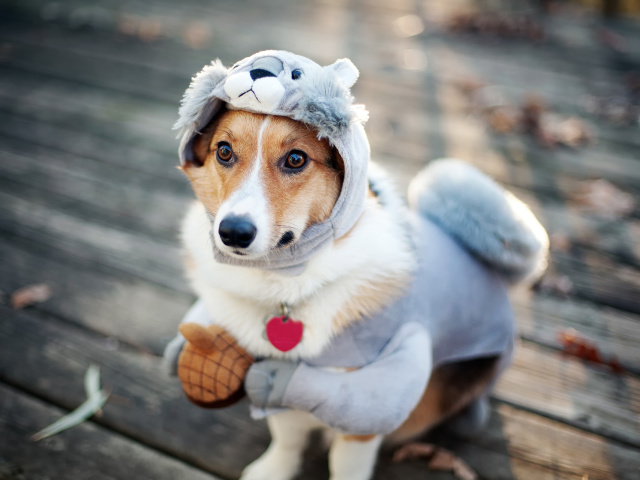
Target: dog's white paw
x=274 y=464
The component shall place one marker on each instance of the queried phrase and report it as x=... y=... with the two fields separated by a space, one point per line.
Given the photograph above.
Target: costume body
x=471 y=239
x=455 y=309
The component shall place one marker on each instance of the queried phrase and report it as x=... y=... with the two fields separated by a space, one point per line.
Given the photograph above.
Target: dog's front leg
x=353 y=457
x=289 y=433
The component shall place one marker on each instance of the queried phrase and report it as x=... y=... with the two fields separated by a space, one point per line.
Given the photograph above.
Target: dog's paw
x=274 y=464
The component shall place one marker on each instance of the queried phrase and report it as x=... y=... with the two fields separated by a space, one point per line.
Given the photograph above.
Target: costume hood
x=282 y=83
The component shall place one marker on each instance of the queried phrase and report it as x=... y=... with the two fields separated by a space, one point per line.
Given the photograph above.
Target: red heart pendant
x=284 y=333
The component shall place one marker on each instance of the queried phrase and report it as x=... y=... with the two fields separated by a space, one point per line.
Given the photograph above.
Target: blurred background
x=542 y=95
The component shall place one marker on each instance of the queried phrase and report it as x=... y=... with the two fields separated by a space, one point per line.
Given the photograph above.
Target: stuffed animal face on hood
x=283 y=84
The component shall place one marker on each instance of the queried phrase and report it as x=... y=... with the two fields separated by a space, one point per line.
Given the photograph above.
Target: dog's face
x=265 y=179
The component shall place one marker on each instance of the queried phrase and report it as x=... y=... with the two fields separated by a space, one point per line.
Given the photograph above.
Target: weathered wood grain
x=85 y=451
x=560 y=387
x=554 y=80
x=48 y=359
x=118 y=196
x=597 y=277
x=120 y=307
x=81 y=240
x=589 y=163
x=541 y=318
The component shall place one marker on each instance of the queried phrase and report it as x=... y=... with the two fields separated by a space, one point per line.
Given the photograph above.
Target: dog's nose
x=257 y=73
x=237 y=232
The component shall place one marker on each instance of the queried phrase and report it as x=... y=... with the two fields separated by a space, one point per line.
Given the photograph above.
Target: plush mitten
x=171 y=354
x=267 y=381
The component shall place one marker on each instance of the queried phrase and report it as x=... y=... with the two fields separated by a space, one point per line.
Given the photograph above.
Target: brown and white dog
x=261 y=180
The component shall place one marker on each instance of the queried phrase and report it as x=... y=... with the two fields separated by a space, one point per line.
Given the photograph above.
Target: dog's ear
x=200 y=146
x=336 y=163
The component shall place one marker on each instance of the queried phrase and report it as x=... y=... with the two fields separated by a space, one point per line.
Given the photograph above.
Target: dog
x=267 y=183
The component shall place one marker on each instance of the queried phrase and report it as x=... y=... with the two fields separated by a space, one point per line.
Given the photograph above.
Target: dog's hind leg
x=289 y=434
x=353 y=457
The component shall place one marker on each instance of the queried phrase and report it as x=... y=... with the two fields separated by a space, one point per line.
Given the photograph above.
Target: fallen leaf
x=495 y=24
x=411 y=451
x=576 y=345
x=603 y=198
x=196 y=34
x=439 y=459
x=555 y=284
x=560 y=242
x=29 y=295
x=572 y=132
x=96 y=398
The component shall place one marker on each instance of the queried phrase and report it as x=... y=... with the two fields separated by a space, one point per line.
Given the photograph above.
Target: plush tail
x=488 y=220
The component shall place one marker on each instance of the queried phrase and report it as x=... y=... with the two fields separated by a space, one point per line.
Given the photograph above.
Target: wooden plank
x=555 y=174
x=541 y=318
x=121 y=307
x=91 y=243
x=546 y=72
x=443 y=76
x=598 y=278
x=116 y=195
x=48 y=358
x=86 y=451
x=560 y=387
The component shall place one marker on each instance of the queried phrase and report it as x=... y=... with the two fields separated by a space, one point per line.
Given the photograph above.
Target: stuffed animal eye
x=296 y=160
x=296 y=74
x=224 y=154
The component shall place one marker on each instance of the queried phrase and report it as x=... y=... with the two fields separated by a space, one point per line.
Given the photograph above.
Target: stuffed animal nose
x=237 y=232
x=257 y=73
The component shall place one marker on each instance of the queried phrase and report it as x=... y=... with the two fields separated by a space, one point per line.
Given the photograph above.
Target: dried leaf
x=463 y=471
x=411 y=451
x=603 y=198
x=29 y=295
x=439 y=459
x=96 y=398
x=578 y=346
x=442 y=460
x=196 y=34
x=572 y=132
x=560 y=242
x=555 y=284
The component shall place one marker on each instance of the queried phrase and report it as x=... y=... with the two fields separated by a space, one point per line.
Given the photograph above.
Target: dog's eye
x=296 y=160
x=224 y=154
x=296 y=74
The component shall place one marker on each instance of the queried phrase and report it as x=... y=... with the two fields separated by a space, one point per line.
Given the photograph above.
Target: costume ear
x=346 y=71
x=197 y=96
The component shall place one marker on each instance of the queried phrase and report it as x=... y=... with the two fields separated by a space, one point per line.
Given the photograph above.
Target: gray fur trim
x=328 y=105
x=488 y=220
x=198 y=95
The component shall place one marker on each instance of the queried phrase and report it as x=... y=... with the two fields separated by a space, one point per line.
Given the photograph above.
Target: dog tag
x=284 y=333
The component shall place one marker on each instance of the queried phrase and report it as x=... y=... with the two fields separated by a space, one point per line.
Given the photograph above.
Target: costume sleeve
x=377 y=398
x=196 y=314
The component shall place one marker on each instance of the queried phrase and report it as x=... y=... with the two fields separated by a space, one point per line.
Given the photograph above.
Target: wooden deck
x=90 y=201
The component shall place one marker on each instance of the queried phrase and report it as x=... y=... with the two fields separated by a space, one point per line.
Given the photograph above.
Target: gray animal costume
x=471 y=238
